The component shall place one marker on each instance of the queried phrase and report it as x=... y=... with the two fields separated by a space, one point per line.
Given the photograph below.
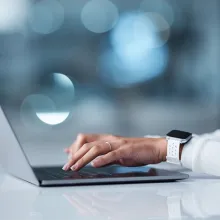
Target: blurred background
x=133 y=68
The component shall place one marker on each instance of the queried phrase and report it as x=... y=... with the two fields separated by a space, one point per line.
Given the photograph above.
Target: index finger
x=79 y=142
x=86 y=138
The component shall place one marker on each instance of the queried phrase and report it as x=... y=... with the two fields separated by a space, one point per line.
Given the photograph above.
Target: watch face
x=179 y=134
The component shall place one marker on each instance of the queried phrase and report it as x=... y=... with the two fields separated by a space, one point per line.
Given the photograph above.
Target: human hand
x=106 y=149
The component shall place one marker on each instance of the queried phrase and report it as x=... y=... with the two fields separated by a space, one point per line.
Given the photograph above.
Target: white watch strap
x=173 y=151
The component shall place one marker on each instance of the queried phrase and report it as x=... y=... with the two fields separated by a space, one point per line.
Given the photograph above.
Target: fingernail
x=94 y=163
x=74 y=167
x=65 y=167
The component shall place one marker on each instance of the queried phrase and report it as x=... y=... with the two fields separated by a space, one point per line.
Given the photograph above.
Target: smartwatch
x=175 y=139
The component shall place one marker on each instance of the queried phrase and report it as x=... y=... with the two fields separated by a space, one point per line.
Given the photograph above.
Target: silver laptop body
x=15 y=162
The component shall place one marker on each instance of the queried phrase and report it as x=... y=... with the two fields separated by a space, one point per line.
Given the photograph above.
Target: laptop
x=15 y=161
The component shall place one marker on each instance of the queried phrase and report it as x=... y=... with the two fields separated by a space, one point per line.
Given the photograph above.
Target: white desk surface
x=195 y=198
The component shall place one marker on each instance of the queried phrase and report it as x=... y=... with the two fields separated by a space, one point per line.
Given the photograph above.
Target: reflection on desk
x=181 y=200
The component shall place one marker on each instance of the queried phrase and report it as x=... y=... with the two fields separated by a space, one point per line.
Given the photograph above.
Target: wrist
x=162 y=147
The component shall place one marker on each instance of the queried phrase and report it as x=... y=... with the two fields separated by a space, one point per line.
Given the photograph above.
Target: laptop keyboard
x=58 y=173
x=48 y=173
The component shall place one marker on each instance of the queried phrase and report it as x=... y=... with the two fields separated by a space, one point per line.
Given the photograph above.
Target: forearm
x=201 y=154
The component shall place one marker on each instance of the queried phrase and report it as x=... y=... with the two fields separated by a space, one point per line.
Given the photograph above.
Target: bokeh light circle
x=99 y=16
x=127 y=71
x=134 y=31
x=46 y=16
x=158 y=20
x=52 y=118
x=161 y=7
x=40 y=107
x=52 y=107
x=35 y=105
x=63 y=81
x=138 y=52
x=162 y=28
x=137 y=32
x=13 y=15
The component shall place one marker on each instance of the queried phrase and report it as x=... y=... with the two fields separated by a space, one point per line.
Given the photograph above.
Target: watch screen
x=179 y=134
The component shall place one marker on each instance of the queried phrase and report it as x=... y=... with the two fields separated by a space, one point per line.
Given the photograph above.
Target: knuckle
x=123 y=141
x=72 y=156
x=114 y=154
x=85 y=146
x=96 y=149
x=121 y=154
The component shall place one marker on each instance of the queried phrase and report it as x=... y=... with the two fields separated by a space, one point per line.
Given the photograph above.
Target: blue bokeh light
x=99 y=16
x=161 y=7
x=136 y=56
x=46 y=16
